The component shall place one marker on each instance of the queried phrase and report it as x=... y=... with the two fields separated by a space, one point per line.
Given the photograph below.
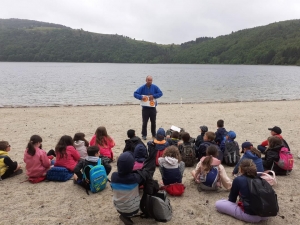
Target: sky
x=159 y=21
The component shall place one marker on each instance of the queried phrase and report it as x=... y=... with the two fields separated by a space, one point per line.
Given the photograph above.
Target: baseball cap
x=246 y=144
x=276 y=129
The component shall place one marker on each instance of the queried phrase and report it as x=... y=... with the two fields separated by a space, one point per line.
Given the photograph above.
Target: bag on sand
x=58 y=173
x=97 y=177
x=263 y=199
x=286 y=159
x=176 y=189
x=188 y=154
x=269 y=176
x=155 y=204
x=231 y=153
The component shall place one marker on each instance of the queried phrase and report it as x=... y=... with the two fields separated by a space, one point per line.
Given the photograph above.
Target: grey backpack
x=188 y=154
x=231 y=153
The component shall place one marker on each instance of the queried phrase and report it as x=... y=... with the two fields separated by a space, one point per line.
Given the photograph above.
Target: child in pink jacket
x=66 y=155
x=36 y=159
x=104 y=141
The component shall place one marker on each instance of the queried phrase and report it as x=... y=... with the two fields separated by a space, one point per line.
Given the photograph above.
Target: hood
x=78 y=143
x=160 y=134
x=222 y=131
x=140 y=153
x=2 y=152
x=133 y=140
x=172 y=161
x=125 y=163
x=160 y=145
x=250 y=155
x=92 y=158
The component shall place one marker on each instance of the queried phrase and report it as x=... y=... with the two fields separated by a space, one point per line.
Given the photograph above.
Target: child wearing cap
x=231 y=149
x=275 y=131
x=250 y=153
x=199 y=139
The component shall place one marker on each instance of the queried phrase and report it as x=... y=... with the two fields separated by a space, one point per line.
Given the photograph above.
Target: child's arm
x=45 y=160
x=77 y=169
x=11 y=164
x=75 y=154
x=225 y=180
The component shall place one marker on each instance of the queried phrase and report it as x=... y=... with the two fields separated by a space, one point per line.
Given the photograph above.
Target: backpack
x=155 y=204
x=58 y=173
x=97 y=177
x=263 y=199
x=286 y=159
x=231 y=153
x=176 y=189
x=188 y=154
x=211 y=178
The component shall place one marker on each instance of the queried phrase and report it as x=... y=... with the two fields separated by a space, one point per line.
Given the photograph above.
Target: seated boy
x=220 y=133
x=140 y=155
x=275 y=131
x=199 y=139
x=8 y=168
x=174 y=139
x=125 y=184
x=208 y=140
x=132 y=141
x=160 y=143
x=91 y=159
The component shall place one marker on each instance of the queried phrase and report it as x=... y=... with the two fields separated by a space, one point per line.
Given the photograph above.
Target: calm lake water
x=60 y=84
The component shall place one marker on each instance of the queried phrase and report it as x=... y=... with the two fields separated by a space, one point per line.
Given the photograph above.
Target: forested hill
x=26 y=40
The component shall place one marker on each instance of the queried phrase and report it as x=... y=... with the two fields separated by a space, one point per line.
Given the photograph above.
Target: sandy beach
x=66 y=203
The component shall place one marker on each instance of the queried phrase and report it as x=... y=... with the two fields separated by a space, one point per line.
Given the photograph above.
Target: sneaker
x=126 y=220
x=144 y=138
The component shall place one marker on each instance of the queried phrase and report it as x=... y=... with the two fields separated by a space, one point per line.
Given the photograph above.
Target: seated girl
x=170 y=166
x=81 y=144
x=250 y=153
x=66 y=155
x=140 y=154
x=8 y=168
x=104 y=141
x=209 y=172
x=240 y=210
x=272 y=156
x=36 y=159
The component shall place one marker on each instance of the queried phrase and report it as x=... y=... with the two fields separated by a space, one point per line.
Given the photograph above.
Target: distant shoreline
x=132 y=104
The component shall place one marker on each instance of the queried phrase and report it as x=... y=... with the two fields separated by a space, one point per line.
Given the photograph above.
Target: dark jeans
x=149 y=112
x=262 y=149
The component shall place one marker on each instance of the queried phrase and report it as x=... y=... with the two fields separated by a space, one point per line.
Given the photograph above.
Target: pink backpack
x=286 y=159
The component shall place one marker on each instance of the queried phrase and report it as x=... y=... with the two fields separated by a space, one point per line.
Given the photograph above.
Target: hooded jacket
x=249 y=155
x=171 y=170
x=131 y=143
x=37 y=165
x=6 y=162
x=220 y=135
x=70 y=160
x=271 y=156
x=225 y=180
x=81 y=148
x=140 y=155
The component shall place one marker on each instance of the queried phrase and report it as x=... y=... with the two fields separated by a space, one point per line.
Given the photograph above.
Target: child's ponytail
x=30 y=146
x=206 y=164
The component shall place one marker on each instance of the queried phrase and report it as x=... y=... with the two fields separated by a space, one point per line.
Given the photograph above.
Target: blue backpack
x=211 y=178
x=58 y=173
x=97 y=177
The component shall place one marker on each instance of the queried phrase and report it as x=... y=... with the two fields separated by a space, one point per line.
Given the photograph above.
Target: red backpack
x=286 y=159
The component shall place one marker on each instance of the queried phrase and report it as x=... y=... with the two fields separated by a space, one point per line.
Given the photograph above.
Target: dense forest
x=32 y=41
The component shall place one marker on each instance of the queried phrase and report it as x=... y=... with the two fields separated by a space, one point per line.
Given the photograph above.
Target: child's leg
x=9 y=173
x=261 y=148
x=232 y=209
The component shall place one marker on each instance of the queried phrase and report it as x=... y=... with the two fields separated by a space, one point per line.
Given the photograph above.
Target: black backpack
x=263 y=199
x=188 y=154
x=231 y=153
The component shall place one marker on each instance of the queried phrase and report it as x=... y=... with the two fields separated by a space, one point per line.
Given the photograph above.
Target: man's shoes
x=126 y=220
x=144 y=138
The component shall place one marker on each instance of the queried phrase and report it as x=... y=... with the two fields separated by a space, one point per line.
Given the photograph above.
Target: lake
x=80 y=84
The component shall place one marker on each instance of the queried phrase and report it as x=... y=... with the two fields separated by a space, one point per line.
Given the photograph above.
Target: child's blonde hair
x=172 y=151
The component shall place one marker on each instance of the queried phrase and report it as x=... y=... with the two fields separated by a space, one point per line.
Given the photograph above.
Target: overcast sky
x=160 y=21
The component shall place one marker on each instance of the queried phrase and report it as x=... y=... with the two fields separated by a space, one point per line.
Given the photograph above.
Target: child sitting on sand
x=170 y=166
x=104 y=141
x=81 y=144
x=36 y=159
x=220 y=133
x=208 y=140
x=140 y=154
x=160 y=143
x=199 y=139
x=174 y=139
x=91 y=159
x=8 y=168
x=211 y=166
x=132 y=141
x=66 y=155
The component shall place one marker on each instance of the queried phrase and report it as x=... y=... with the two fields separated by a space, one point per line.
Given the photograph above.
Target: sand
x=66 y=203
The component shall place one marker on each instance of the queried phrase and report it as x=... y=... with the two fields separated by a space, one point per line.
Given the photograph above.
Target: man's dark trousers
x=149 y=112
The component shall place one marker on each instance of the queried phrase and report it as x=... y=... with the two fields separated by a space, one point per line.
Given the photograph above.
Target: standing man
x=149 y=92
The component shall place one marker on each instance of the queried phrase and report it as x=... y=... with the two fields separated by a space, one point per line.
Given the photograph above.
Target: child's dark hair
x=172 y=151
x=220 y=123
x=34 y=139
x=81 y=137
x=211 y=152
x=175 y=134
x=101 y=133
x=62 y=144
x=130 y=133
x=274 y=141
x=3 y=145
x=92 y=150
x=185 y=136
x=210 y=135
x=248 y=168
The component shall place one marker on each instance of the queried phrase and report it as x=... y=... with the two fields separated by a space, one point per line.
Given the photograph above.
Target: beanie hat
x=125 y=163
x=246 y=144
x=160 y=134
x=204 y=128
x=231 y=134
x=140 y=153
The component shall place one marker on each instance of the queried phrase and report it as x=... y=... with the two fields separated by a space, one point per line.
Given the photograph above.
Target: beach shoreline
x=65 y=203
